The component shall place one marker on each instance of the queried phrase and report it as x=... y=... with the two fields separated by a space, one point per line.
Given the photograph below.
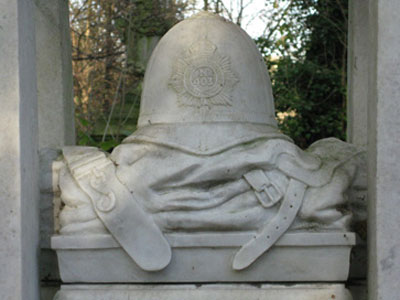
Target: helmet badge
x=203 y=77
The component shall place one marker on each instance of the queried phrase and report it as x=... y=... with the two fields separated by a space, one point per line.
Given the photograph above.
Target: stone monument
x=206 y=189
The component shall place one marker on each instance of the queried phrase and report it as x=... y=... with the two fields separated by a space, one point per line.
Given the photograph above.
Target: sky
x=252 y=20
x=254 y=14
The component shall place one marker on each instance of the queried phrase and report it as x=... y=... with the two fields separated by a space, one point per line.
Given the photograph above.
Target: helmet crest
x=203 y=77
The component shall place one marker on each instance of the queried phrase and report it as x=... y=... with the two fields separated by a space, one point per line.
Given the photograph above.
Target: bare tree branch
x=97 y=57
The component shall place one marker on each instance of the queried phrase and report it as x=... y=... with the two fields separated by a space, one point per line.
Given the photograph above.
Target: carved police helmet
x=206 y=69
x=206 y=88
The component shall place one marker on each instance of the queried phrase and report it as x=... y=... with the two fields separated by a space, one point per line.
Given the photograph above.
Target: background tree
x=303 y=42
x=112 y=40
x=308 y=69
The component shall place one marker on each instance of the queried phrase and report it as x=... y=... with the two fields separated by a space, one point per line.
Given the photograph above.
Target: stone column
x=54 y=74
x=357 y=123
x=56 y=117
x=384 y=151
x=19 y=192
x=358 y=45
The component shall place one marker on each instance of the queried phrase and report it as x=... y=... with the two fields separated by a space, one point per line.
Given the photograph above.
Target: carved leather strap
x=116 y=207
x=266 y=191
x=273 y=230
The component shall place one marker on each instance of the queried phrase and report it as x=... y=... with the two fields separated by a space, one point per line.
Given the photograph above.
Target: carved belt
x=116 y=207
x=136 y=231
x=269 y=194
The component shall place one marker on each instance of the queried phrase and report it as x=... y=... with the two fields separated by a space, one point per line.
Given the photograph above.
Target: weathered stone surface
x=358 y=62
x=384 y=151
x=19 y=192
x=54 y=74
x=358 y=289
x=202 y=68
x=194 y=292
x=55 y=112
x=357 y=124
x=48 y=291
x=304 y=257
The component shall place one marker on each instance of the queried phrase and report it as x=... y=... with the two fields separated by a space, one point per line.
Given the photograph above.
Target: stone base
x=296 y=257
x=201 y=292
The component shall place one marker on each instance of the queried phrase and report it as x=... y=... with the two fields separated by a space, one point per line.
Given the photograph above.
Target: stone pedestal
x=201 y=292
x=296 y=257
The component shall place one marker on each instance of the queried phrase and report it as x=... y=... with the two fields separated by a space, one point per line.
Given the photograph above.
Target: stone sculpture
x=207 y=187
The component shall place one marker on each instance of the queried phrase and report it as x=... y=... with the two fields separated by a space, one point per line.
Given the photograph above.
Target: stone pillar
x=384 y=151
x=54 y=74
x=19 y=194
x=56 y=117
x=357 y=123
x=358 y=45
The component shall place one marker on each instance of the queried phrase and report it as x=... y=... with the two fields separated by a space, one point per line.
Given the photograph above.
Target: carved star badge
x=203 y=77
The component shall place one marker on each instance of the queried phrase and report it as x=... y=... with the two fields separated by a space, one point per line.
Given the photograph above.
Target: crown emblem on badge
x=203 y=77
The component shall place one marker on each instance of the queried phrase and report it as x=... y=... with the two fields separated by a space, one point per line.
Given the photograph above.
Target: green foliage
x=314 y=95
x=151 y=18
x=309 y=76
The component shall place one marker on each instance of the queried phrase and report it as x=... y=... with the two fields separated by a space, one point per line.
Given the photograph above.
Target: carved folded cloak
x=259 y=184
x=186 y=188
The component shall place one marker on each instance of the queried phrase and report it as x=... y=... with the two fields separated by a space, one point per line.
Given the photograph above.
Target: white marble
x=98 y=198
x=200 y=292
x=208 y=158
x=384 y=151
x=19 y=192
x=218 y=57
x=296 y=257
